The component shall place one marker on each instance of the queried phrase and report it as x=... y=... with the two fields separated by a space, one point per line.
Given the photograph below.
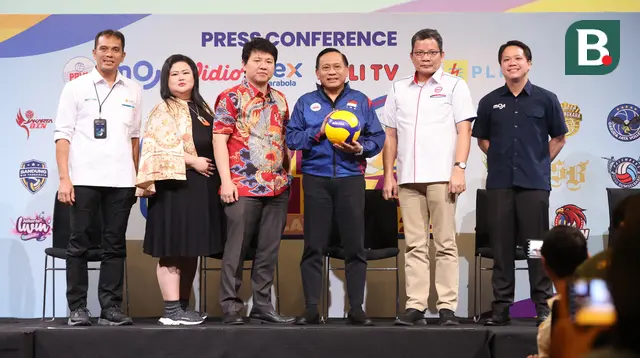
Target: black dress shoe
x=308 y=317
x=232 y=318
x=411 y=317
x=358 y=318
x=498 y=320
x=448 y=318
x=270 y=317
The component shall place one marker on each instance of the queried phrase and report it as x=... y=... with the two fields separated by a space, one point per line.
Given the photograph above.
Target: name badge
x=100 y=128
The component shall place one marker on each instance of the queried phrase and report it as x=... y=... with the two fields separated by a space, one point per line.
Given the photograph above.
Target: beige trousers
x=418 y=204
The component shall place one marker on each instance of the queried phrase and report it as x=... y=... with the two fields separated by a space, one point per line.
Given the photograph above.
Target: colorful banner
x=589 y=65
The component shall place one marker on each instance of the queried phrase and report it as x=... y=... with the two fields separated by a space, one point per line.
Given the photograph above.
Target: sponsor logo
x=28 y=121
x=376 y=71
x=624 y=171
x=77 y=67
x=285 y=74
x=303 y=39
x=143 y=72
x=592 y=47
x=462 y=69
x=572 y=117
x=37 y=227
x=623 y=122
x=315 y=107
x=33 y=175
x=499 y=106
x=572 y=215
x=571 y=175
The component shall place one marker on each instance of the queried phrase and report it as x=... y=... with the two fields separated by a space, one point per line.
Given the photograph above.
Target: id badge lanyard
x=100 y=124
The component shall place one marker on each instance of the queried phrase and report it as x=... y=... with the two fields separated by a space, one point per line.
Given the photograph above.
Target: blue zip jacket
x=319 y=156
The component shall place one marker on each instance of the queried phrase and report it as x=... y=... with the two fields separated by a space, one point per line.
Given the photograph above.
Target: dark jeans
x=515 y=216
x=329 y=200
x=258 y=220
x=115 y=204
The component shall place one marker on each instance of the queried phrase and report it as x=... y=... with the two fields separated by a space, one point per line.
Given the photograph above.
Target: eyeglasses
x=420 y=54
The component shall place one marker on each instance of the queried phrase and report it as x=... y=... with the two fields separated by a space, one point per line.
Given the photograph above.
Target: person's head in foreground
x=563 y=250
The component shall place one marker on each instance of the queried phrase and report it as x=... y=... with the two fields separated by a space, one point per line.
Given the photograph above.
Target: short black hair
x=329 y=50
x=622 y=214
x=522 y=45
x=426 y=34
x=620 y=210
x=260 y=45
x=564 y=248
x=621 y=277
x=109 y=33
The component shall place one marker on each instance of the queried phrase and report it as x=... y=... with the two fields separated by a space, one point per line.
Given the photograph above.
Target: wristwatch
x=462 y=165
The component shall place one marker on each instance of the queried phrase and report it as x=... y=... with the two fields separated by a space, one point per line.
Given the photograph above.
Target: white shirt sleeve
x=462 y=103
x=65 y=121
x=388 y=118
x=137 y=114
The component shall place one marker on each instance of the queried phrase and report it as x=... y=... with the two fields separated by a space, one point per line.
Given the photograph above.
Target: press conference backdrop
x=601 y=110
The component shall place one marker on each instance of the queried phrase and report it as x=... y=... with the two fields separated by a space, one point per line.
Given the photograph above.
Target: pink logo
x=438 y=89
x=37 y=227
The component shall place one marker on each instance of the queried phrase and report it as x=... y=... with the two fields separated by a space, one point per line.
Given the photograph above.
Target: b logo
x=592 y=47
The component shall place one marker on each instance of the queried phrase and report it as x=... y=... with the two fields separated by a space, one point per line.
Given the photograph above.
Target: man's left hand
x=353 y=147
x=456 y=183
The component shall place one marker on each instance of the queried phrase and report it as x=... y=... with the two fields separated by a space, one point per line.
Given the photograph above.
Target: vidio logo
x=592 y=47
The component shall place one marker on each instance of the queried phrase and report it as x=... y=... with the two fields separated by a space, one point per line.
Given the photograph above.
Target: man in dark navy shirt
x=513 y=128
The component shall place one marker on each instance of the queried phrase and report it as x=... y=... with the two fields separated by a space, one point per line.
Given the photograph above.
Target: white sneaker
x=185 y=318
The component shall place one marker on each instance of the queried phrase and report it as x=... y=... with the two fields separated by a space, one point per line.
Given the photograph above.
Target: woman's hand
x=203 y=166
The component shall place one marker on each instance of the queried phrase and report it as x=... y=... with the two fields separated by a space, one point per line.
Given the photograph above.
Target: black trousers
x=329 y=200
x=115 y=204
x=257 y=220
x=515 y=216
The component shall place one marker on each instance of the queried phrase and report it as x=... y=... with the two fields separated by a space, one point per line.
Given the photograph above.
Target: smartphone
x=590 y=303
x=533 y=249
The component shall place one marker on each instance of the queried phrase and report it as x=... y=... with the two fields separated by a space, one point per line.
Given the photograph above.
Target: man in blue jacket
x=333 y=181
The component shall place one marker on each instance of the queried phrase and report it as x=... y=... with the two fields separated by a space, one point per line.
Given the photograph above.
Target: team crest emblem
x=572 y=215
x=572 y=117
x=33 y=175
x=623 y=122
x=352 y=105
x=624 y=171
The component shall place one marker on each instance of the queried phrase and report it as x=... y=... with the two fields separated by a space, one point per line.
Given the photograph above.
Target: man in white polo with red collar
x=428 y=120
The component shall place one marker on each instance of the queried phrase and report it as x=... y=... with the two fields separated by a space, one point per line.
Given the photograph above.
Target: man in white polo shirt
x=96 y=134
x=428 y=124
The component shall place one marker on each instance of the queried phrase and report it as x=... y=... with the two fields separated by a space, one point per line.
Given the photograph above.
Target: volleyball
x=342 y=126
x=627 y=173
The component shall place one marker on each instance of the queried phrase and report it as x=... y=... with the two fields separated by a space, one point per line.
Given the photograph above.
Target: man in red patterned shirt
x=252 y=158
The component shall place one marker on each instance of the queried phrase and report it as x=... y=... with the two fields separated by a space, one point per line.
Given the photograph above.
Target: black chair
x=483 y=249
x=381 y=241
x=614 y=197
x=250 y=256
x=61 y=233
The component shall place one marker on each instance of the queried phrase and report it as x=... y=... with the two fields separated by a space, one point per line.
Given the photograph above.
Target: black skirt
x=185 y=218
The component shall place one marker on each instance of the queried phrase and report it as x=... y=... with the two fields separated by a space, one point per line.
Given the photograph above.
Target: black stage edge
x=33 y=338
x=16 y=339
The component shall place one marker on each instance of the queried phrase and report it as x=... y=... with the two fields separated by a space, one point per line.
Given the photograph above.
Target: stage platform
x=335 y=339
